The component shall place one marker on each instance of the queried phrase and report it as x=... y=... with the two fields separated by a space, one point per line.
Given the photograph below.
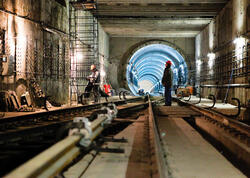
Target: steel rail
x=19 y=128
x=42 y=114
x=21 y=131
x=154 y=133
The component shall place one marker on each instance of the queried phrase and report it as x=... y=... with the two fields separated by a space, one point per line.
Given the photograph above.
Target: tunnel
x=146 y=66
x=81 y=91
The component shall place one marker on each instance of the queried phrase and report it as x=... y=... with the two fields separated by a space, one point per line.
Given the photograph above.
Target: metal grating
x=227 y=65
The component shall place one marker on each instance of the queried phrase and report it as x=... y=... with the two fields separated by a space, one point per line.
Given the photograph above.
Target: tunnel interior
x=146 y=66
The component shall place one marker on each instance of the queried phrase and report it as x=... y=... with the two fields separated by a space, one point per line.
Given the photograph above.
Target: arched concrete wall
x=148 y=63
x=121 y=49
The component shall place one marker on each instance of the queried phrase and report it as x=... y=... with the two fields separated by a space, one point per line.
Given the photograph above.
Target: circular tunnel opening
x=146 y=66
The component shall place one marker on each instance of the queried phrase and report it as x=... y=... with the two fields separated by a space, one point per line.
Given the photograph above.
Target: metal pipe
x=226 y=85
x=41 y=163
x=96 y=123
x=52 y=161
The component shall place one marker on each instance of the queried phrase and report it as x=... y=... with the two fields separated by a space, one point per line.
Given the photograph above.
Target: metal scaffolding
x=83 y=30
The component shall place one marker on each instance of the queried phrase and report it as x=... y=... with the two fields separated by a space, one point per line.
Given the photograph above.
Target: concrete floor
x=107 y=165
x=189 y=155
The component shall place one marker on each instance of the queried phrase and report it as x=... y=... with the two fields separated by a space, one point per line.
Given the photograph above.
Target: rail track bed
x=157 y=141
x=26 y=134
x=14 y=128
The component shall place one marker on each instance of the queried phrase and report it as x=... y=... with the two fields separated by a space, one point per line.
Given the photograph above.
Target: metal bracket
x=238 y=112
x=124 y=95
x=120 y=95
x=214 y=101
x=111 y=139
x=110 y=150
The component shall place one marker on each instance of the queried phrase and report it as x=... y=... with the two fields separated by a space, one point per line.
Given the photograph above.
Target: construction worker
x=167 y=83
x=94 y=79
x=94 y=84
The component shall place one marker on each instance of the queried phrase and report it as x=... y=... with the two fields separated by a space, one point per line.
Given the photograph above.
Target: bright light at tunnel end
x=146 y=66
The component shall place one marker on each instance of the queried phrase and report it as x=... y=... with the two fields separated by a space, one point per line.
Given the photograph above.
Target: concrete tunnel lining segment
x=146 y=66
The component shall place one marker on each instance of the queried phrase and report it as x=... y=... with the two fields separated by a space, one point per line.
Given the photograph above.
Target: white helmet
x=92 y=67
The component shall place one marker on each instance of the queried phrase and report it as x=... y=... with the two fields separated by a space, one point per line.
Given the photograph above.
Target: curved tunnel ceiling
x=146 y=66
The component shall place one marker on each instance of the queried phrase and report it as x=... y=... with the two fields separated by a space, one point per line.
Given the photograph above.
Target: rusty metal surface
x=139 y=159
x=176 y=111
x=160 y=169
x=244 y=128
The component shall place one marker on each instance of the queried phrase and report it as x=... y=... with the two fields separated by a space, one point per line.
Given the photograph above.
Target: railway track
x=237 y=129
x=148 y=153
x=13 y=129
x=23 y=137
x=231 y=134
x=61 y=154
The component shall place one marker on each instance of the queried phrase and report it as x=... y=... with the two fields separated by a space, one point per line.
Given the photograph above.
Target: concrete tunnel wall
x=121 y=49
x=32 y=39
x=104 y=54
x=218 y=38
x=26 y=36
x=146 y=66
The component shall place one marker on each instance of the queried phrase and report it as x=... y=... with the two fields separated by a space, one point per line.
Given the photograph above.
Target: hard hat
x=92 y=67
x=169 y=62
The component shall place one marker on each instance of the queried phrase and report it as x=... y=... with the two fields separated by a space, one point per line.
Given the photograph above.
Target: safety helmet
x=169 y=62
x=92 y=67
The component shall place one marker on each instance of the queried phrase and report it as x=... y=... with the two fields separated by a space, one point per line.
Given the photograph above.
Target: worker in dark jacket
x=167 y=83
